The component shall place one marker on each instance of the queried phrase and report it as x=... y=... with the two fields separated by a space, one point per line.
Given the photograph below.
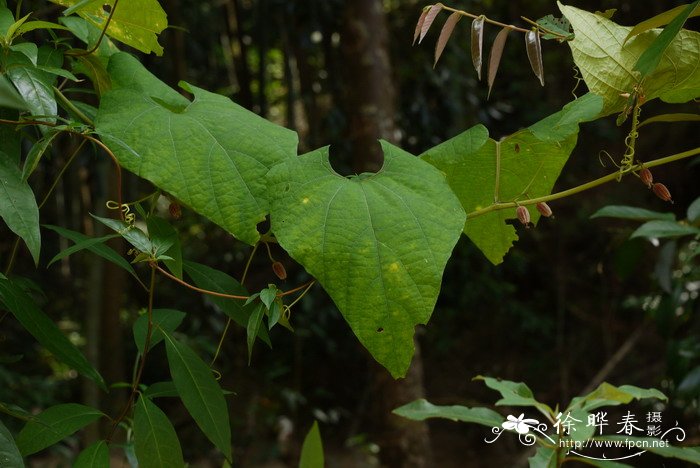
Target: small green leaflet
x=165 y=239
x=133 y=235
x=163 y=319
x=9 y=453
x=44 y=330
x=18 y=206
x=377 y=243
x=200 y=393
x=95 y=456
x=155 y=441
x=254 y=326
x=36 y=153
x=136 y=23
x=514 y=394
x=312 y=449
x=659 y=229
x=53 y=425
x=422 y=409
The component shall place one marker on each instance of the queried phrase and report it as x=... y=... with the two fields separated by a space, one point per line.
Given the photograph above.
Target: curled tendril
x=286 y=311
x=128 y=216
x=605 y=153
x=578 y=78
x=217 y=374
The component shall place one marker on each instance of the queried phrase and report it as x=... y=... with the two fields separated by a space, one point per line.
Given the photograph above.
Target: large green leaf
x=95 y=456
x=163 y=319
x=53 y=425
x=607 y=66
x=200 y=393
x=9 y=453
x=422 y=409
x=483 y=171
x=377 y=243
x=312 y=449
x=18 y=206
x=218 y=281
x=155 y=441
x=44 y=330
x=211 y=154
x=136 y=23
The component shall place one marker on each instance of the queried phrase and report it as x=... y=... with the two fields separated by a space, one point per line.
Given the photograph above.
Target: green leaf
x=53 y=425
x=133 y=235
x=18 y=206
x=98 y=248
x=161 y=389
x=33 y=25
x=34 y=85
x=95 y=456
x=10 y=136
x=77 y=247
x=651 y=57
x=659 y=20
x=312 y=449
x=545 y=457
x=610 y=395
x=268 y=295
x=155 y=441
x=580 y=431
x=200 y=393
x=7 y=19
x=136 y=23
x=95 y=70
x=661 y=229
x=560 y=26
x=694 y=211
x=9 y=453
x=521 y=166
x=631 y=212
x=422 y=409
x=217 y=281
x=44 y=330
x=253 y=327
x=90 y=34
x=607 y=66
x=676 y=117
x=275 y=313
x=689 y=454
x=184 y=147
x=36 y=153
x=164 y=237
x=514 y=394
x=9 y=97
x=377 y=243
x=10 y=34
x=29 y=49
x=163 y=320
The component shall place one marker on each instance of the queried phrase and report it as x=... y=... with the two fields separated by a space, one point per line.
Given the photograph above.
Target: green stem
x=71 y=107
x=13 y=256
x=487 y=20
x=60 y=174
x=587 y=186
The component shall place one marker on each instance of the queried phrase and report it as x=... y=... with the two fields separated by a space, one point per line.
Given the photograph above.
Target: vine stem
x=142 y=361
x=487 y=20
x=587 y=186
x=102 y=34
x=60 y=174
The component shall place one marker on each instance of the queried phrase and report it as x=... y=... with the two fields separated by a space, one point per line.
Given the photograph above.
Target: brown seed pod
x=175 y=210
x=544 y=209
x=279 y=270
x=523 y=215
x=662 y=192
x=646 y=177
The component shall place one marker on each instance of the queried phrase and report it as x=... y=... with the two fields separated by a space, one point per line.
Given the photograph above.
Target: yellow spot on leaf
x=394 y=267
x=305 y=200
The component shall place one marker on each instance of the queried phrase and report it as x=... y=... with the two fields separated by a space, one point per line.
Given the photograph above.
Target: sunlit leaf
x=312 y=449
x=534 y=54
x=559 y=26
x=428 y=20
x=18 y=206
x=495 y=56
x=662 y=19
x=445 y=34
x=422 y=409
x=477 y=43
x=610 y=395
x=155 y=441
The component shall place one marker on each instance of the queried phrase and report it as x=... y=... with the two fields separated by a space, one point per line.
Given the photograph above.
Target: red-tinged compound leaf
x=495 y=58
x=428 y=21
x=419 y=24
x=477 y=43
x=534 y=53
x=445 y=35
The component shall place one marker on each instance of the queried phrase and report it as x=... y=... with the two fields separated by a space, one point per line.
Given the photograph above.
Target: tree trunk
x=369 y=105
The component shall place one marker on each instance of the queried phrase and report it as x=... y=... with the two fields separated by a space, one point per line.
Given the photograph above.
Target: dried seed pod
x=175 y=210
x=646 y=177
x=279 y=270
x=662 y=192
x=544 y=209
x=523 y=215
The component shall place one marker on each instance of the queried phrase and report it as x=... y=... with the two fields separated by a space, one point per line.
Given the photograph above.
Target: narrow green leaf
x=275 y=313
x=161 y=390
x=200 y=393
x=15 y=411
x=495 y=56
x=7 y=19
x=477 y=43
x=155 y=441
x=631 y=212
x=133 y=235
x=254 y=327
x=163 y=320
x=661 y=229
x=694 y=211
x=82 y=245
x=9 y=453
x=18 y=206
x=9 y=97
x=312 y=449
x=662 y=19
x=95 y=456
x=166 y=241
x=610 y=395
x=676 y=117
x=651 y=57
x=77 y=6
x=53 y=425
x=218 y=281
x=94 y=69
x=100 y=249
x=36 y=153
x=32 y=25
x=422 y=409
x=514 y=394
x=10 y=34
x=45 y=331
x=268 y=295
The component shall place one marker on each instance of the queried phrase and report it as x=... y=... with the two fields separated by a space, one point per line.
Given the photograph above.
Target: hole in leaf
x=517 y=148
x=380 y=330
